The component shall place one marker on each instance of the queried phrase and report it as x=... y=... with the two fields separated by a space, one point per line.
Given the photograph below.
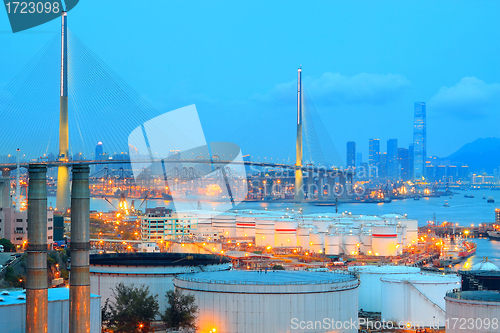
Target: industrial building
x=370 y=287
x=157 y=227
x=155 y=270
x=416 y=299
x=13 y=311
x=331 y=234
x=472 y=311
x=273 y=301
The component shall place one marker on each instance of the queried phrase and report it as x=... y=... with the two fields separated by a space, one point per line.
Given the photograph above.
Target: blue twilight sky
x=365 y=63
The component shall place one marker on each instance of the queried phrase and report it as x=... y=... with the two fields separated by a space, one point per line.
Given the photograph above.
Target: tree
x=181 y=310
x=7 y=245
x=133 y=309
x=278 y=268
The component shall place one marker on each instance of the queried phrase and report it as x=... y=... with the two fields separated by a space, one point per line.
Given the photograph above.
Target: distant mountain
x=479 y=155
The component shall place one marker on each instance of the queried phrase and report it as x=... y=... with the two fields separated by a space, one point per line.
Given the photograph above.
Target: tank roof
x=476 y=295
x=422 y=278
x=485 y=265
x=269 y=278
x=386 y=269
x=157 y=259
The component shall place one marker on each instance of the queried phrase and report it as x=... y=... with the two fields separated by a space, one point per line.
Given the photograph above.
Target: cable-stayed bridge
x=95 y=105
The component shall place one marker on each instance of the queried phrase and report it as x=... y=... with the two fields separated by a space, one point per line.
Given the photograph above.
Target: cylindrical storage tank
x=333 y=243
x=317 y=242
x=321 y=223
x=352 y=243
x=264 y=231
x=384 y=240
x=366 y=243
x=303 y=231
x=155 y=270
x=369 y=219
x=336 y=228
x=472 y=311
x=225 y=225
x=274 y=302
x=411 y=231
x=204 y=222
x=285 y=233
x=416 y=299
x=245 y=226
x=370 y=295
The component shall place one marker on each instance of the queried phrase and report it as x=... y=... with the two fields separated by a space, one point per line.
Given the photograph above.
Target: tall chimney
x=36 y=282
x=79 y=289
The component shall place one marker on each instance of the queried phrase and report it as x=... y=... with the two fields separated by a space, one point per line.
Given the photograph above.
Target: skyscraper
x=351 y=154
x=419 y=141
x=410 y=161
x=373 y=157
x=98 y=151
x=403 y=161
x=359 y=159
x=392 y=159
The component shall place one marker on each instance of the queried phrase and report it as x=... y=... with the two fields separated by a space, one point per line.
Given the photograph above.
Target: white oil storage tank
x=352 y=242
x=303 y=231
x=333 y=244
x=472 y=311
x=155 y=270
x=241 y=301
x=245 y=225
x=285 y=233
x=264 y=231
x=317 y=242
x=370 y=295
x=416 y=299
x=385 y=240
x=225 y=224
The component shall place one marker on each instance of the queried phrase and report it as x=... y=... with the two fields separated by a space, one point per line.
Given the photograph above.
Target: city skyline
x=341 y=87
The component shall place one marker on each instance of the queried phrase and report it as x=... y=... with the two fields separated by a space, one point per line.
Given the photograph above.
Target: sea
x=461 y=210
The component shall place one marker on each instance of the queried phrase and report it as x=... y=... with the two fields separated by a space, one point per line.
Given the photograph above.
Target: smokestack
x=299 y=181
x=36 y=282
x=18 y=183
x=79 y=289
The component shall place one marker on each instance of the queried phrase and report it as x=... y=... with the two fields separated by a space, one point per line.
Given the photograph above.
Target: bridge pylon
x=62 y=197
x=299 y=177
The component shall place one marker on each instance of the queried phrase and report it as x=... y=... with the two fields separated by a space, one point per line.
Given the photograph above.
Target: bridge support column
x=321 y=178
x=343 y=187
x=62 y=195
x=36 y=280
x=5 y=201
x=331 y=185
x=79 y=289
x=310 y=184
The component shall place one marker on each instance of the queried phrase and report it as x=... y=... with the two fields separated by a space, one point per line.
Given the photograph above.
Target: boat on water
x=454 y=254
x=446 y=203
x=495 y=235
x=484 y=196
x=491 y=200
x=467 y=249
x=416 y=198
x=468 y=196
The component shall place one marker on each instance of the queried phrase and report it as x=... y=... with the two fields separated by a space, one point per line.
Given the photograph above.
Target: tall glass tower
x=373 y=157
x=351 y=154
x=419 y=141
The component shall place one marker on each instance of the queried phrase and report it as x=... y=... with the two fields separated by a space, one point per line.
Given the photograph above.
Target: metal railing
x=351 y=278
x=457 y=294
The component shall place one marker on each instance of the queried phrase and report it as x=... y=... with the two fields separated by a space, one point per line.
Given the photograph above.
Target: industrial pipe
x=36 y=281
x=79 y=289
